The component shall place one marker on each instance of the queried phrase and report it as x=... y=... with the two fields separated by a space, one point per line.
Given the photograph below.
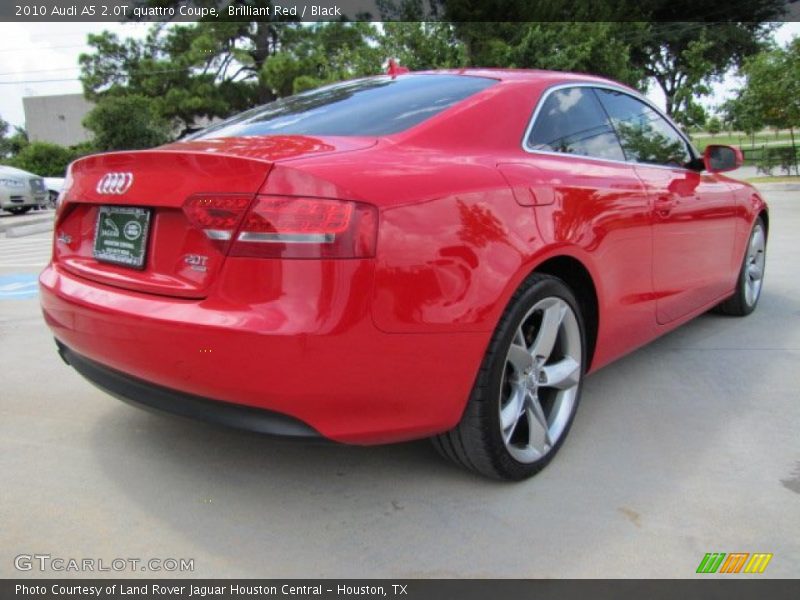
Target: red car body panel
x=386 y=348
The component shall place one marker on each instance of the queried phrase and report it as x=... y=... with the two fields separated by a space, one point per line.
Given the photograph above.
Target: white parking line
x=31 y=253
x=24 y=265
x=26 y=241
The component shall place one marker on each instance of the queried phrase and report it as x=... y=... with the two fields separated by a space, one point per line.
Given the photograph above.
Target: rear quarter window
x=571 y=121
x=372 y=107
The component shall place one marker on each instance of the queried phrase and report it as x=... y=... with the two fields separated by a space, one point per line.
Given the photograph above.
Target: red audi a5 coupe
x=442 y=254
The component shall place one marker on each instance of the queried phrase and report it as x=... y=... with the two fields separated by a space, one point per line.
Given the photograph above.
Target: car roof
x=14 y=171
x=524 y=75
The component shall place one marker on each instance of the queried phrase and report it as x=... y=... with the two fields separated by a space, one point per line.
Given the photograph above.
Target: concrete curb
x=23 y=230
x=11 y=223
x=778 y=187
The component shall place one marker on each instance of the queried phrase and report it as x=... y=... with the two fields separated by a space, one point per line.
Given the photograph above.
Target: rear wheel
x=528 y=387
x=751 y=275
x=19 y=210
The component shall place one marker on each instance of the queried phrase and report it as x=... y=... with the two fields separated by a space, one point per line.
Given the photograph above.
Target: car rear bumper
x=20 y=199
x=336 y=375
x=149 y=396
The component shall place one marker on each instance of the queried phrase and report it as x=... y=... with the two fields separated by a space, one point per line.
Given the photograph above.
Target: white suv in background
x=21 y=191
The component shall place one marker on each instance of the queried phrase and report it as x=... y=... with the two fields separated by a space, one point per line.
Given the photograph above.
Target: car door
x=693 y=213
x=572 y=171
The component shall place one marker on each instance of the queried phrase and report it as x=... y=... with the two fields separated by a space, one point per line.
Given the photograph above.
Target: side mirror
x=718 y=159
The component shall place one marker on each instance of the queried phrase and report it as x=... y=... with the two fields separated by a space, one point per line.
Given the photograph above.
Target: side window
x=646 y=137
x=572 y=121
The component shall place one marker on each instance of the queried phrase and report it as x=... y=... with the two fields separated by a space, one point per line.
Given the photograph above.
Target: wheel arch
x=763 y=214
x=578 y=278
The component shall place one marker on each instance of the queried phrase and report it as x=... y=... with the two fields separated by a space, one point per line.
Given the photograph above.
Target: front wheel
x=751 y=275
x=528 y=387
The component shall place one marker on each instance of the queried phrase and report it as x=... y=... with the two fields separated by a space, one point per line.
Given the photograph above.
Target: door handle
x=664 y=205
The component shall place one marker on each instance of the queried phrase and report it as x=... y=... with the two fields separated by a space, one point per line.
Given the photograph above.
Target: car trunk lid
x=134 y=203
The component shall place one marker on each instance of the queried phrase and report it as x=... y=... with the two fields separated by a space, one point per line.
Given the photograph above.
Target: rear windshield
x=374 y=106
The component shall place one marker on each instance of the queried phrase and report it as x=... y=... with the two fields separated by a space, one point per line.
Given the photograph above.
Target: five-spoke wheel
x=540 y=382
x=751 y=277
x=528 y=387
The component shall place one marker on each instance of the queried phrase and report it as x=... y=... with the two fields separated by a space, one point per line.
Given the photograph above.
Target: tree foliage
x=11 y=143
x=44 y=158
x=645 y=41
x=321 y=53
x=771 y=92
x=421 y=45
x=41 y=158
x=742 y=114
x=713 y=125
x=683 y=59
x=4 y=126
x=179 y=68
x=126 y=123
x=214 y=68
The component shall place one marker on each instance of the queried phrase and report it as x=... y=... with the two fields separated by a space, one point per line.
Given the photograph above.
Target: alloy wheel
x=540 y=384
x=754 y=265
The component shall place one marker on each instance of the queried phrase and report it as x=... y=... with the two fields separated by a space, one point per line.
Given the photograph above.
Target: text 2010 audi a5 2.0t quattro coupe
x=441 y=254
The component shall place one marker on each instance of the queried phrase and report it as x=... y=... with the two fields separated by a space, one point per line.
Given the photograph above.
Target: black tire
x=19 y=210
x=52 y=199
x=741 y=304
x=477 y=442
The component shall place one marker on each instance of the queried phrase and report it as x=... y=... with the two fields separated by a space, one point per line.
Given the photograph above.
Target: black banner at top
x=399 y=10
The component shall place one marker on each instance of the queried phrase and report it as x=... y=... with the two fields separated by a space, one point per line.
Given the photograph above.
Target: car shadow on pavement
x=263 y=501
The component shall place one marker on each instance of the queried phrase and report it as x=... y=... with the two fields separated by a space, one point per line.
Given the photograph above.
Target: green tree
x=586 y=47
x=44 y=158
x=713 y=125
x=180 y=68
x=693 y=117
x=321 y=53
x=4 y=142
x=742 y=114
x=771 y=92
x=420 y=45
x=11 y=143
x=214 y=69
x=126 y=123
x=681 y=58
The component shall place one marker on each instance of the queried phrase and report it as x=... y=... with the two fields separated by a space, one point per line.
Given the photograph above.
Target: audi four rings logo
x=115 y=183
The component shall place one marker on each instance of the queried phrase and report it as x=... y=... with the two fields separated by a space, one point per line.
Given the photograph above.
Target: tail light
x=218 y=216
x=286 y=227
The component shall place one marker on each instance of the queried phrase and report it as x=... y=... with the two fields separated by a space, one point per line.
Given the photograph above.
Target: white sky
x=32 y=52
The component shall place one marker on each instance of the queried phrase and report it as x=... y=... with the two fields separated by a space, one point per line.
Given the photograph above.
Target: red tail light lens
x=218 y=216
x=288 y=227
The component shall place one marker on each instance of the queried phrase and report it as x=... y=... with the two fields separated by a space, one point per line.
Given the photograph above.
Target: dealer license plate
x=121 y=235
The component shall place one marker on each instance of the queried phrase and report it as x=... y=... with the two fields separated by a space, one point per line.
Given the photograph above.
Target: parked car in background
x=21 y=191
x=54 y=187
x=442 y=254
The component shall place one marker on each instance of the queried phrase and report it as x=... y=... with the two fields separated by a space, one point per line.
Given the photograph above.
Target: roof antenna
x=394 y=69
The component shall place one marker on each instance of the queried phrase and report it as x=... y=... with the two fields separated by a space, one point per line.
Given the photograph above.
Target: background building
x=56 y=119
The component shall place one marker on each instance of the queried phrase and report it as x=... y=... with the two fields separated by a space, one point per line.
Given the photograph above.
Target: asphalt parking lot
x=687 y=446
